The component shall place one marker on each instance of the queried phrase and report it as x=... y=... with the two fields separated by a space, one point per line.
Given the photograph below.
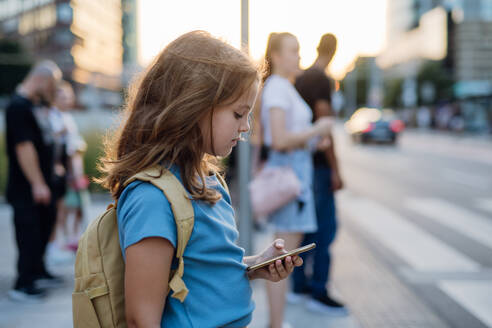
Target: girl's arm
x=148 y=264
x=284 y=140
x=77 y=165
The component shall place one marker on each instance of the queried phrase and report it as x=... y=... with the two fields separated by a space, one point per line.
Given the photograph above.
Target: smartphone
x=296 y=251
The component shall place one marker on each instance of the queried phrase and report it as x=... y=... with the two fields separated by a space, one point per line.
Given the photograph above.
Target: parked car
x=374 y=125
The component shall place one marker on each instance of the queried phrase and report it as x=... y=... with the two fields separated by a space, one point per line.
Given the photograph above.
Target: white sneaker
x=296 y=298
x=28 y=295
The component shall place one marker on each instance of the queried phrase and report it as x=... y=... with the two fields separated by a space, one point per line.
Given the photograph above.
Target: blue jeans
x=327 y=226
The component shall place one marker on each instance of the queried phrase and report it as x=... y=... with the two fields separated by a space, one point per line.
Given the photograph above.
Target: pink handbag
x=272 y=188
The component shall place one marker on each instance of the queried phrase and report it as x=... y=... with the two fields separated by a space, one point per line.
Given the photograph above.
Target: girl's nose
x=244 y=126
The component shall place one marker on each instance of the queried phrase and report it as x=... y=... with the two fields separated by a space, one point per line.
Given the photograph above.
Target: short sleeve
x=143 y=212
x=19 y=120
x=323 y=89
x=275 y=94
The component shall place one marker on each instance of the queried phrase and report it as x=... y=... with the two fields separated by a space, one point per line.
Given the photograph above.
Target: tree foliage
x=15 y=63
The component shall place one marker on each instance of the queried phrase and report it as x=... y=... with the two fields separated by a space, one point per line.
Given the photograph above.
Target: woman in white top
x=290 y=137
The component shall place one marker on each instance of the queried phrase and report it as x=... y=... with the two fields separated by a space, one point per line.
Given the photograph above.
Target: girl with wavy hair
x=189 y=108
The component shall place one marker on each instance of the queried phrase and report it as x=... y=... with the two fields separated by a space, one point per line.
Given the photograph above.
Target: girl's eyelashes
x=238 y=116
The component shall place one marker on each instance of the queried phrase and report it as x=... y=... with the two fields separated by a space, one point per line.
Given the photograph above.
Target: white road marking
x=469 y=223
x=474 y=296
x=485 y=204
x=419 y=249
x=466 y=179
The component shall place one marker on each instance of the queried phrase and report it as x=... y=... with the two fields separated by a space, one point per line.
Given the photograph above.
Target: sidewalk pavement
x=56 y=310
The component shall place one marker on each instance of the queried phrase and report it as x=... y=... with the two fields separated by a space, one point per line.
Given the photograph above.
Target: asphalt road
x=423 y=210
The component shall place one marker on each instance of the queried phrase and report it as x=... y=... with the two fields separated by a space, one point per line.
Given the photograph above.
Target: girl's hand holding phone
x=280 y=269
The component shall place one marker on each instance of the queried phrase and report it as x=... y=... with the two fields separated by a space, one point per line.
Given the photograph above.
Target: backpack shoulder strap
x=183 y=215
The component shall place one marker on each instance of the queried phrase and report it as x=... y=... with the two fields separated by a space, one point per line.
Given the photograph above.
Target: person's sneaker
x=326 y=305
x=29 y=294
x=48 y=280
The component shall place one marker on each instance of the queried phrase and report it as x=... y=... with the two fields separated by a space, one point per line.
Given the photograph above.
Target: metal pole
x=244 y=156
x=351 y=93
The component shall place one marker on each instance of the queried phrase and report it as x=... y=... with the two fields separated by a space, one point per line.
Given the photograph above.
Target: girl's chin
x=223 y=153
x=226 y=153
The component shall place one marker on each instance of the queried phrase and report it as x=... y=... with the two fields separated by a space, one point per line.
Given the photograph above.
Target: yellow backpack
x=98 y=300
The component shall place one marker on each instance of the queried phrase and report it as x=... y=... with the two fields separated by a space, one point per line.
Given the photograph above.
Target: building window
x=38 y=19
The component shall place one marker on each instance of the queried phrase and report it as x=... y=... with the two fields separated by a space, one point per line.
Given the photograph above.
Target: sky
x=360 y=25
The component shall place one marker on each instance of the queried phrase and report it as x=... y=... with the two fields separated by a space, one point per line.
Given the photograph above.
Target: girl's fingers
x=279 y=244
x=280 y=268
x=297 y=260
x=273 y=272
x=289 y=265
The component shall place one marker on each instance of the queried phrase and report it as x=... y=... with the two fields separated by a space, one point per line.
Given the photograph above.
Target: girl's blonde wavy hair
x=161 y=124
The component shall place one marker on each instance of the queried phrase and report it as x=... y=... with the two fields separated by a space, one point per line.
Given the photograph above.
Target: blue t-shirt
x=220 y=293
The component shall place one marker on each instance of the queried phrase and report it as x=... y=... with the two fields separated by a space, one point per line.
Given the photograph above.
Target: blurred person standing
x=315 y=88
x=423 y=117
x=77 y=197
x=289 y=135
x=60 y=161
x=30 y=151
x=69 y=169
x=443 y=115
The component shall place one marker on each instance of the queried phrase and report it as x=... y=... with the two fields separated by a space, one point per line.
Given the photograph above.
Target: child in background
x=69 y=223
